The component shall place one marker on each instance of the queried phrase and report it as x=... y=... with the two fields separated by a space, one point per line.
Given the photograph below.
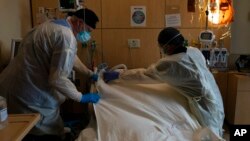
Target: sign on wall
x=173 y=20
x=138 y=16
x=173 y=16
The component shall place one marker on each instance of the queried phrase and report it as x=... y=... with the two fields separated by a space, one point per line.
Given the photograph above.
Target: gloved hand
x=94 y=77
x=110 y=75
x=90 y=98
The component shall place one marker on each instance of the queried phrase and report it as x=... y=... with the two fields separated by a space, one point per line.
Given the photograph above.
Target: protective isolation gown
x=188 y=74
x=36 y=80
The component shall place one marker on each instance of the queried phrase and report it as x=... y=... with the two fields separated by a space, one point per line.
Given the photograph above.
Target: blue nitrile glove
x=110 y=75
x=90 y=98
x=94 y=77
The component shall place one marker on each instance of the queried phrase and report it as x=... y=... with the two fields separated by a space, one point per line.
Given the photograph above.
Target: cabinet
x=238 y=99
x=221 y=80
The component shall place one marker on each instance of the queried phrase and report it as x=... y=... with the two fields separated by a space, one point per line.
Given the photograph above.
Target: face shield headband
x=83 y=36
x=167 y=50
x=171 y=40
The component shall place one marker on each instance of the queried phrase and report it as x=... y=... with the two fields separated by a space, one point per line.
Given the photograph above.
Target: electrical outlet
x=134 y=43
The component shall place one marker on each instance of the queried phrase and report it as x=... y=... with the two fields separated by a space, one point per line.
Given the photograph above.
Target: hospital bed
x=136 y=107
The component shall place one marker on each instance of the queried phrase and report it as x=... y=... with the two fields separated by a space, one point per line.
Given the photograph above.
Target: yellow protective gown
x=36 y=80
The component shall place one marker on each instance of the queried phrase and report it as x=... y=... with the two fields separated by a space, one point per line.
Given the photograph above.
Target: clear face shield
x=84 y=35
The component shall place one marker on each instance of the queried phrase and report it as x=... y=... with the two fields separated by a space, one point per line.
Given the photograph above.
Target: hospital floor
x=75 y=117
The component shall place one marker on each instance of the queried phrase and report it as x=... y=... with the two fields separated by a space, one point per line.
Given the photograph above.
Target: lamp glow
x=220 y=11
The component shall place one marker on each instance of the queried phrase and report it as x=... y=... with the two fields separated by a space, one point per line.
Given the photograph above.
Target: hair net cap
x=88 y=16
x=167 y=34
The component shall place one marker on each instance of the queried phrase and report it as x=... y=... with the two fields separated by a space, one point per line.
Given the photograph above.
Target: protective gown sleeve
x=61 y=65
x=177 y=71
x=81 y=68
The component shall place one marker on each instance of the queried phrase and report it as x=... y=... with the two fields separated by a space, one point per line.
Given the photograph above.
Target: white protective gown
x=188 y=73
x=36 y=80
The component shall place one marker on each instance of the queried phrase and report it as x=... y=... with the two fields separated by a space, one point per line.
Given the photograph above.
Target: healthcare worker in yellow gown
x=36 y=81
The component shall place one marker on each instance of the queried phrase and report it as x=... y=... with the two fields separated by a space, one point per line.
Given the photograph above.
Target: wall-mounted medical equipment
x=219 y=57
x=215 y=57
x=70 y=5
x=224 y=58
x=206 y=38
x=44 y=14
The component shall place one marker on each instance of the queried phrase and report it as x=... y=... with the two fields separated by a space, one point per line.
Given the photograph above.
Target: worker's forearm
x=81 y=68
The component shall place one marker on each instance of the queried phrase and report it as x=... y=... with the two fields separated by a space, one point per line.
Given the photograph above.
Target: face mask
x=162 y=53
x=83 y=36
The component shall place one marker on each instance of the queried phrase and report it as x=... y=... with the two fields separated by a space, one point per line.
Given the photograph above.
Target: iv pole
x=206 y=19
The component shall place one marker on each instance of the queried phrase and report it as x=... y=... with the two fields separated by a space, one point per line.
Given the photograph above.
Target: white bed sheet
x=138 y=108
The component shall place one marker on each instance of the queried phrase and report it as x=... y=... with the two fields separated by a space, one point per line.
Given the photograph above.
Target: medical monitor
x=206 y=36
x=69 y=5
x=15 y=43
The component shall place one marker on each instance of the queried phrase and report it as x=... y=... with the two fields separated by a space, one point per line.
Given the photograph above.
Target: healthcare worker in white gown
x=36 y=81
x=185 y=69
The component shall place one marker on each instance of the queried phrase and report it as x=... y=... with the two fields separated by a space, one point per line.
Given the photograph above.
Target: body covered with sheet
x=139 y=108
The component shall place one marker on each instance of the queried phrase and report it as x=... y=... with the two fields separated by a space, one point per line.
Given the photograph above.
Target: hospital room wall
x=15 y=22
x=115 y=29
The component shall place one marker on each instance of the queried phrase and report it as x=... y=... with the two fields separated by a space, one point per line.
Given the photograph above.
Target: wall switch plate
x=134 y=43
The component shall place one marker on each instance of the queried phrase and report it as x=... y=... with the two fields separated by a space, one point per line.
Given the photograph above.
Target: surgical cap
x=87 y=15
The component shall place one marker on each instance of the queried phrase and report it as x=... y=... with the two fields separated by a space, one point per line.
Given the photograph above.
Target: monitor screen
x=206 y=36
x=69 y=5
